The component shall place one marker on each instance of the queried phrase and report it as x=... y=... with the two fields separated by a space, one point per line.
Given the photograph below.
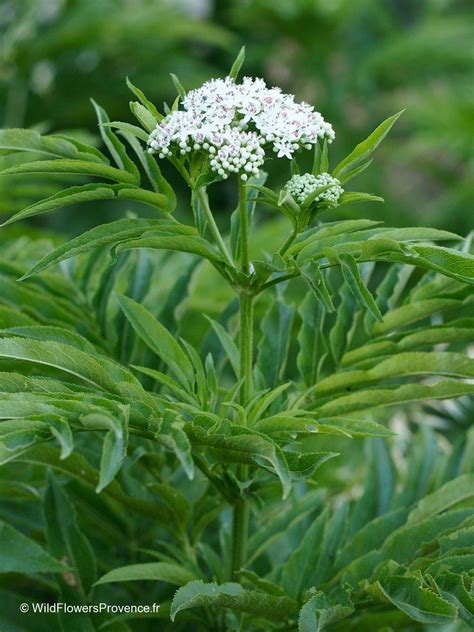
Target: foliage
x=193 y=453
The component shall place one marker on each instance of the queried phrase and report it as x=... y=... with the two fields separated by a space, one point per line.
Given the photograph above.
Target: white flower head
x=300 y=187
x=236 y=123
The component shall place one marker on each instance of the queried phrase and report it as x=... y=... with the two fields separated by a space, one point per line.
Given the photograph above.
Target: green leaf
x=352 y=197
x=93 y=369
x=451 y=588
x=153 y=571
x=230 y=348
x=420 y=604
x=449 y=495
x=113 y=144
x=313 y=276
x=273 y=347
x=114 y=448
x=65 y=540
x=177 y=84
x=245 y=446
x=158 y=339
x=232 y=596
x=322 y=610
x=144 y=117
x=402 y=364
x=13 y=140
x=172 y=435
x=192 y=244
x=134 y=130
x=354 y=280
x=73 y=167
x=97 y=237
x=373 y=398
x=364 y=149
x=298 y=571
x=413 y=312
x=237 y=65
x=19 y=554
x=143 y=100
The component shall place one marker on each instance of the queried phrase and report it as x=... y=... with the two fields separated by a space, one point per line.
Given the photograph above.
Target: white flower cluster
x=234 y=122
x=300 y=187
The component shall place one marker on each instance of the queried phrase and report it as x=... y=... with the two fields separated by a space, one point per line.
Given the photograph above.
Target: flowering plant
x=214 y=439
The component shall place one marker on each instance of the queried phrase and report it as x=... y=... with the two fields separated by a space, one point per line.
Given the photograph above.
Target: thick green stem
x=241 y=508
x=202 y=195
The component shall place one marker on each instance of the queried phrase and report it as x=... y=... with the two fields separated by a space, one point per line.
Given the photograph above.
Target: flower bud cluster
x=235 y=124
x=299 y=187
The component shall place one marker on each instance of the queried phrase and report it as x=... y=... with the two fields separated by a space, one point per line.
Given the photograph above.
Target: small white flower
x=241 y=119
x=300 y=187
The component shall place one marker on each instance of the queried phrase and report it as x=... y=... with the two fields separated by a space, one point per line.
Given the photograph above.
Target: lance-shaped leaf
x=113 y=144
x=230 y=348
x=356 y=283
x=232 y=596
x=56 y=146
x=95 y=370
x=273 y=347
x=114 y=447
x=237 y=65
x=159 y=339
x=321 y=610
x=364 y=149
x=446 y=363
x=72 y=167
x=244 y=446
x=172 y=435
x=420 y=604
x=353 y=197
x=452 y=493
x=313 y=276
x=19 y=554
x=376 y=397
x=157 y=241
x=152 y=571
x=65 y=539
x=103 y=235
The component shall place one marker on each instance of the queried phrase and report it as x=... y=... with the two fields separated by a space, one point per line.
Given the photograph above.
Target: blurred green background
x=357 y=61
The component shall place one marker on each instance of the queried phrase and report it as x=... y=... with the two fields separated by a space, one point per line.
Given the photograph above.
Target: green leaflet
x=322 y=610
x=113 y=144
x=160 y=341
x=19 y=554
x=73 y=167
x=273 y=347
x=420 y=604
x=92 y=369
x=373 y=398
x=357 y=285
x=153 y=571
x=297 y=573
x=413 y=363
x=366 y=147
x=451 y=588
x=114 y=448
x=230 y=348
x=65 y=540
x=452 y=493
x=231 y=595
x=192 y=244
x=103 y=235
x=173 y=436
x=245 y=446
x=13 y=140
x=238 y=63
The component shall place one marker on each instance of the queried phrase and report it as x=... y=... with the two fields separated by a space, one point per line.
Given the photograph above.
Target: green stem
x=241 y=508
x=202 y=195
x=288 y=242
x=244 y=227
